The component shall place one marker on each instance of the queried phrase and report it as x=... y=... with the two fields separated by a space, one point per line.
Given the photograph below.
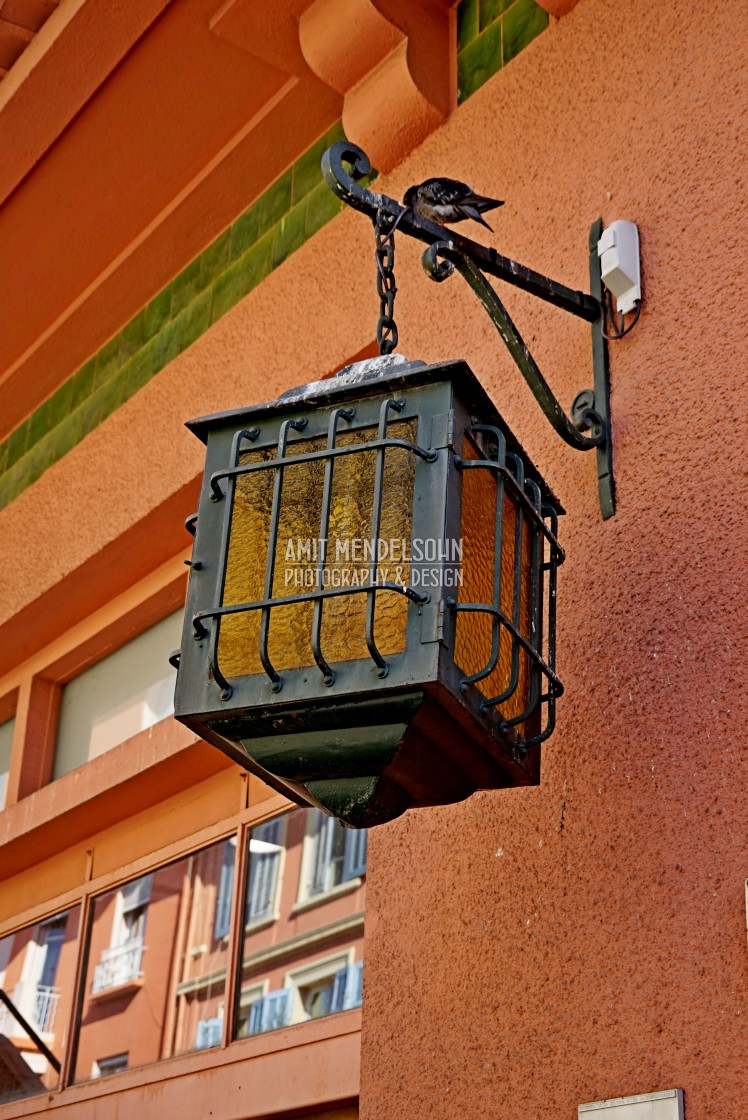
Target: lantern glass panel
x=484 y=648
x=304 y=560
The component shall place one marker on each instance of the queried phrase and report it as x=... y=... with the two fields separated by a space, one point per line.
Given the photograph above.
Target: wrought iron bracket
x=344 y=165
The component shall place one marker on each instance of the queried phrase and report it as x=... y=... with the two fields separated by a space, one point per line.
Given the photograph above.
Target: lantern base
x=366 y=761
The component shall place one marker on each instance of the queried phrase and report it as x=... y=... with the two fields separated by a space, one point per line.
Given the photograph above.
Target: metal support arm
x=590 y=411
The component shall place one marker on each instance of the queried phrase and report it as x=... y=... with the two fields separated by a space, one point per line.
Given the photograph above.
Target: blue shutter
x=208 y=1033
x=354 y=860
x=271 y=1012
x=263 y=871
x=347 y=987
x=319 y=861
x=222 y=919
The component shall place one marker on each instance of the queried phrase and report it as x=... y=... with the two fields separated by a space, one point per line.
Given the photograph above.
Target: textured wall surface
x=586 y=939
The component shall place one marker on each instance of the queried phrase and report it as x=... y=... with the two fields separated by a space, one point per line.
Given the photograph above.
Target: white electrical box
x=618 y=250
x=666 y=1105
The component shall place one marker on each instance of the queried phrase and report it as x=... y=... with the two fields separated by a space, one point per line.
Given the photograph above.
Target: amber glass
x=343 y=618
x=474 y=630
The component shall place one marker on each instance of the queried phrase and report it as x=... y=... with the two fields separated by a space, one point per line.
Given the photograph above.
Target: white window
x=271 y=1011
x=36 y=995
x=248 y=997
x=121 y=695
x=225 y=890
x=332 y=855
x=325 y=987
x=6 y=743
x=104 y=1066
x=209 y=1033
x=265 y=853
x=121 y=962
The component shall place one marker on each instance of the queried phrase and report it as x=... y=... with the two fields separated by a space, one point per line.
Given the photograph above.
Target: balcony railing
x=37 y=1003
x=118 y=965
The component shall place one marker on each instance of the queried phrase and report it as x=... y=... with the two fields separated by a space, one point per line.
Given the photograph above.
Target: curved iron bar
x=310 y=456
x=324 y=528
x=528 y=367
x=305 y=597
x=285 y=428
x=486 y=608
x=376 y=516
x=345 y=182
x=250 y=434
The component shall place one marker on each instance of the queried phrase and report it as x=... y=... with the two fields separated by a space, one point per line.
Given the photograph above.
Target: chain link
x=386 y=287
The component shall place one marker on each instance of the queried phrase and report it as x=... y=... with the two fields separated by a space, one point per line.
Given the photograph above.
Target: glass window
x=332 y=855
x=158 y=955
x=6 y=744
x=121 y=695
x=301 y=959
x=37 y=973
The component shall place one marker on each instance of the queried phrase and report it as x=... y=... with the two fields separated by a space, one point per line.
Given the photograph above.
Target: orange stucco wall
x=531 y=949
x=586 y=939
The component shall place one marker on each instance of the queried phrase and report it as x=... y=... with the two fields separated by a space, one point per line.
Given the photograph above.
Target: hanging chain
x=384 y=231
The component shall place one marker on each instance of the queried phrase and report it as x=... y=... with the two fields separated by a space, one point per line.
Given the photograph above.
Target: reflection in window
x=6 y=743
x=332 y=855
x=121 y=695
x=158 y=956
x=37 y=973
x=301 y=962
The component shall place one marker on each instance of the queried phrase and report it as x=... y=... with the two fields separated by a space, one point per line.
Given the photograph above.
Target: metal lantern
x=370 y=621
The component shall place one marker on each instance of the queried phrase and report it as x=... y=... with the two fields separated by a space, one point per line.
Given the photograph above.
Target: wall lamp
x=370 y=620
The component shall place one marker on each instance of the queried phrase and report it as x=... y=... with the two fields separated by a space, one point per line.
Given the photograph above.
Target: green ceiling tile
x=275 y=201
x=196 y=318
x=467 y=22
x=113 y=394
x=17 y=443
x=307 y=173
x=38 y=461
x=3 y=456
x=186 y=287
x=81 y=384
x=479 y=61
x=7 y=491
x=63 y=438
x=289 y=234
x=108 y=361
x=213 y=259
x=228 y=289
x=88 y=414
x=167 y=344
x=139 y=370
x=59 y=404
x=490 y=10
x=522 y=22
x=132 y=336
x=39 y=424
x=245 y=231
x=157 y=312
x=257 y=263
x=321 y=205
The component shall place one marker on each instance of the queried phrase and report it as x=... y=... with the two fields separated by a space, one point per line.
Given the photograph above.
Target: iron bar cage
x=370 y=619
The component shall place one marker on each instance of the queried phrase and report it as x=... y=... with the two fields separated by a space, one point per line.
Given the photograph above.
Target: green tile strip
x=296 y=206
x=491 y=33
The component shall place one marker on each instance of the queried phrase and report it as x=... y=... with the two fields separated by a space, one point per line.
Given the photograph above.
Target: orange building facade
x=176 y=938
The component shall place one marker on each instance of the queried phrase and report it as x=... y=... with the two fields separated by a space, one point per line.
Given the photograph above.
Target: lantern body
x=370 y=615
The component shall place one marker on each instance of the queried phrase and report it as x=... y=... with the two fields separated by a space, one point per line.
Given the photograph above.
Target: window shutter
x=319 y=862
x=225 y=890
x=354 y=861
x=347 y=987
x=137 y=893
x=271 y=1011
x=208 y=1033
x=264 y=867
